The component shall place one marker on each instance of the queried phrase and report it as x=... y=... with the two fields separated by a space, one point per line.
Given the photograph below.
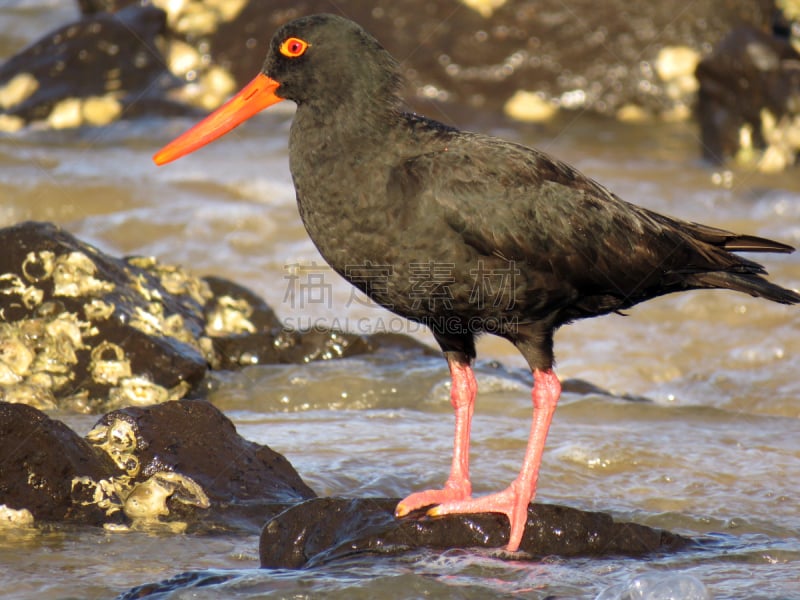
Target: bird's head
x=322 y=61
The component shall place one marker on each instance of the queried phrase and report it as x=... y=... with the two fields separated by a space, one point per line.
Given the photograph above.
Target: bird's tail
x=735 y=272
x=749 y=283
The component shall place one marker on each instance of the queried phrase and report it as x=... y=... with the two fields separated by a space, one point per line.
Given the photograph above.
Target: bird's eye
x=293 y=47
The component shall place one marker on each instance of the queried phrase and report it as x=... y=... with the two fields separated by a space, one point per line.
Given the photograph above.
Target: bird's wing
x=515 y=202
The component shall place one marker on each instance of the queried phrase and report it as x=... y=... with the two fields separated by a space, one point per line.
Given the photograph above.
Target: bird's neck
x=339 y=161
x=348 y=130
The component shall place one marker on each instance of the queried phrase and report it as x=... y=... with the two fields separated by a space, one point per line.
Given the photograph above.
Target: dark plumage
x=464 y=232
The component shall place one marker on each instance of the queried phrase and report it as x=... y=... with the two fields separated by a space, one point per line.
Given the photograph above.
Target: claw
x=452 y=492
x=511 y=502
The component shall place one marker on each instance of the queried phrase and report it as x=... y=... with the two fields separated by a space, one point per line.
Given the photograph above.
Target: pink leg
x=514 y=500
x=458 y=487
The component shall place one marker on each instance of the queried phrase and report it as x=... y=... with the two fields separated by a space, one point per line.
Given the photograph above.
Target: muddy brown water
x=715 y=452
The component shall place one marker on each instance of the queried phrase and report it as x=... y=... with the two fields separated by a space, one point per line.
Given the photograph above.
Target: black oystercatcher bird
x=465 y=233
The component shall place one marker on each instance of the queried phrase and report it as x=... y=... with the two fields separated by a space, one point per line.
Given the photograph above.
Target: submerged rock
x=325 y=529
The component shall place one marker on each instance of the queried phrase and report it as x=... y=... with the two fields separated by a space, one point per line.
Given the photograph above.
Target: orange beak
x=253 y=98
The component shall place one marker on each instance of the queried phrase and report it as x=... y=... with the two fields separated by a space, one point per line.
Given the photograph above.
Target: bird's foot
x=510 y=502
x=452 y=492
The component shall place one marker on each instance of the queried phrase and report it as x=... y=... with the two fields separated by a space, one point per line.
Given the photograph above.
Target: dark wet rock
x=193 y=580
x=166 y=467
x=47 y=468
x=195 y=439
x=325 y=529
x=89 y=72
x=749 y=100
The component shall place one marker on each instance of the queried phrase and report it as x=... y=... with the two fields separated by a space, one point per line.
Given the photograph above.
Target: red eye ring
x=293 y=47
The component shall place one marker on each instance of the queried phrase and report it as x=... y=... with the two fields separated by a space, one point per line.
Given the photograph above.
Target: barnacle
x=140 y=284
x=175 y=326
x=118 y=440
x=65 y=328
x=230 y=316
x=32 y=297
x=15 y=517
x=149 y=321
x=178 y=282
x=104 y=493
x=174 y=279
x=98 y=310
x=108 y=363
x=17 y=90
x=15 y=355
x=148 y=500
x=137 y=391
x=11 y=284
x=199 y=17
x=73 y=275
x=29 y=392
x=38 y=266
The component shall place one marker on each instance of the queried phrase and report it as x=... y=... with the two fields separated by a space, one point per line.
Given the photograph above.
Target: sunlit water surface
x=716 y=451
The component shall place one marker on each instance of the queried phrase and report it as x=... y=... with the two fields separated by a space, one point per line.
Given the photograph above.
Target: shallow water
x=715 y=453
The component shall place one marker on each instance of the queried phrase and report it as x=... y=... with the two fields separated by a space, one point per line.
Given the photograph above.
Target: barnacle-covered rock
x=194 y=439
x=243 y=330
x=88 y=72
x=155 y=467
x=90 y=332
